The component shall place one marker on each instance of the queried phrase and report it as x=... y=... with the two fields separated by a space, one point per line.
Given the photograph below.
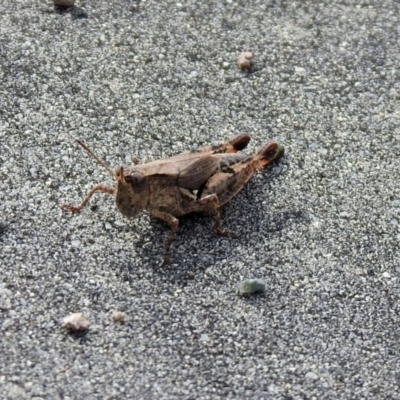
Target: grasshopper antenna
x=98 y=159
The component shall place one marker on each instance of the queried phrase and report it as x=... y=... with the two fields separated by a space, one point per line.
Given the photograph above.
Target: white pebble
x=245 y=60
x=120 y=316
x=76 y=322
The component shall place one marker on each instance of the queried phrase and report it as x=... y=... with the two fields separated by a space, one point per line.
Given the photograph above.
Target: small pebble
x=64 y=3
x=120 y=316
x=245 y=60
x=251 y=286
x=76 y=322
x=191 y=275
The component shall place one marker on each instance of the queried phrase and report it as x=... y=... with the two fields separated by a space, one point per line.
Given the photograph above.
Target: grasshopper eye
x=137 y=181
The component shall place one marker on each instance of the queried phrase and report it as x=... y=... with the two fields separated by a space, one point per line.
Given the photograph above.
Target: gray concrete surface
x=153 y=78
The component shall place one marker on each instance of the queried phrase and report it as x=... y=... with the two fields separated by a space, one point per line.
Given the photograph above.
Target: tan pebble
x=120 y=316
x=245 y=60
x=76 y=322
x=64 y=3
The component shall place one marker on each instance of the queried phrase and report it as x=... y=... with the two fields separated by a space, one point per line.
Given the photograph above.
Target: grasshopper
x=196 y=181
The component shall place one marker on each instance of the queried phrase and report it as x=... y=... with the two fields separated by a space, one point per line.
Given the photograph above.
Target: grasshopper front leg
x=98 y=188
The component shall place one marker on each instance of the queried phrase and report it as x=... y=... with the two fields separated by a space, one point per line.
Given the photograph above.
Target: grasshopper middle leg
x=210 y=205
x=207 y=205
x=174 y=224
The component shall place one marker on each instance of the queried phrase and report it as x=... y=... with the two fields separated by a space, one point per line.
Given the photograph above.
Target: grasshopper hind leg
x=234 y=145
x=231 y=180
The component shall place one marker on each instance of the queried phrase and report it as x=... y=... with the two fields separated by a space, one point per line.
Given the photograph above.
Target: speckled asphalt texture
x=153 y=78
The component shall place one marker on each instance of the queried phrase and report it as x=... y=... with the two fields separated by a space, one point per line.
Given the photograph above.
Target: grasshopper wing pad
x=184 y=161
x=197 y=173
x=169 y=166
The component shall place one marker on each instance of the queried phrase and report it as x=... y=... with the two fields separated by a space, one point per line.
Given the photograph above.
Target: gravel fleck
x=64 y=3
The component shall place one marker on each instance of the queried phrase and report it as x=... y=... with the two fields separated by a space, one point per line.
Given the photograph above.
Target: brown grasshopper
x=196 y=181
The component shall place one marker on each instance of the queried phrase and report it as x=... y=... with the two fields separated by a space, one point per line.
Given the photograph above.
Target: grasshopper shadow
x=196 y=239
x=198 y=247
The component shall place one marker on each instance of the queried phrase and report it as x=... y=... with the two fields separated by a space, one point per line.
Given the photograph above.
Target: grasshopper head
x=132 y=189
x=132 y=192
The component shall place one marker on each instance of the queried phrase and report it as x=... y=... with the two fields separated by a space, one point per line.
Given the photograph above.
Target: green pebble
x=250 y=286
